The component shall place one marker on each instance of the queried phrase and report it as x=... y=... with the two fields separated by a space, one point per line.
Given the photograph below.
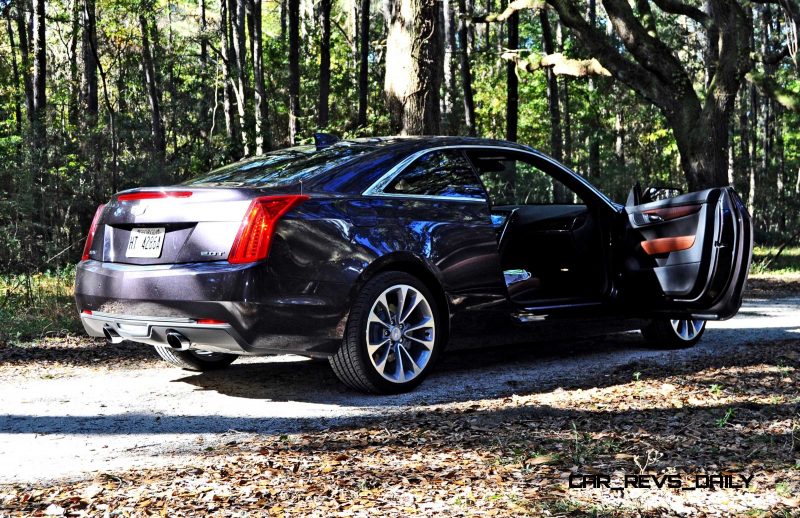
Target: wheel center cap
x=395 y=334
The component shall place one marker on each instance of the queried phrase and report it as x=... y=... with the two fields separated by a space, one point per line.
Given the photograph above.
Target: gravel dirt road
x=101 y=415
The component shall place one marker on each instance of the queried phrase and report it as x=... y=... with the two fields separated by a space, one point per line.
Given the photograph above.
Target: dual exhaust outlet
x=175 y=339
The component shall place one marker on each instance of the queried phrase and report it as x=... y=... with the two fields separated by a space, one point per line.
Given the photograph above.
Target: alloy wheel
x=687 y=329
x=401 y=333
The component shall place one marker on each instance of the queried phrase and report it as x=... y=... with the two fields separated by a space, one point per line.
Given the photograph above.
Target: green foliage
x=33 y=306
x=787 y=262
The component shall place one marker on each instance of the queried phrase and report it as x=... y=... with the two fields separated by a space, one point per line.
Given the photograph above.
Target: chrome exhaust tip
x=177 y=341
x=112 y=336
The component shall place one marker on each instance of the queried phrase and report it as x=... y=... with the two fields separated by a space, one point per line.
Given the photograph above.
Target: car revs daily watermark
x=685 y=482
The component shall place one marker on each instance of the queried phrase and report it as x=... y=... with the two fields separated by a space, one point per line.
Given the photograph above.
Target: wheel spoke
x=402 y=293
x=372 y=348
x=400 y=372
x=407 y=354
x=697 y=325
x=374 y=318
x=385 y=303
x=427 y=343
x=410 y=310
x=426 y=322
x=381 y=364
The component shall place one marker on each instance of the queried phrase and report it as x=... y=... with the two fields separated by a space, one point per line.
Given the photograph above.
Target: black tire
x=352 y=363
x=662 y=334
x=195 y=360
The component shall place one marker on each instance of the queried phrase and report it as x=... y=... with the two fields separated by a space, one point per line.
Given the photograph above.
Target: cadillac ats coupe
x=375 y=253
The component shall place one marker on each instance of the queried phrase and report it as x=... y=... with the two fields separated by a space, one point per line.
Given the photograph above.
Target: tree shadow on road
x=76 y=352
x=498 y=371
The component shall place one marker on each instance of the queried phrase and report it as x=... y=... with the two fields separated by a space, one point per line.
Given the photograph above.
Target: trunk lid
x=192 y=225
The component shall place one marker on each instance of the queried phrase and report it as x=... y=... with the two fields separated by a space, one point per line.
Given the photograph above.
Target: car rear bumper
x=153 y=331
x=259 y=313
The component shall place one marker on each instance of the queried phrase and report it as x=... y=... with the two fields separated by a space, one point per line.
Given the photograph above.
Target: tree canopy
x=101 y=95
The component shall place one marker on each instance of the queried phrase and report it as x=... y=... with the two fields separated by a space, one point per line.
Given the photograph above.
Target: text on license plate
x=145 y=242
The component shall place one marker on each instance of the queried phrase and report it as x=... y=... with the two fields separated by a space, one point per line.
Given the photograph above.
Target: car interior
x=549 y=240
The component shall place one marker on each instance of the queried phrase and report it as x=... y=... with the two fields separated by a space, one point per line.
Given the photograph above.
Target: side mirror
x=635 y=196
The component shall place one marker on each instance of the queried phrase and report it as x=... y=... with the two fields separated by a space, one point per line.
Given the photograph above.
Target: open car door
x=688 y=255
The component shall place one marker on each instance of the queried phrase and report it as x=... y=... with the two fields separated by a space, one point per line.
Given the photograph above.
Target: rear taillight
x=153 y=195
x=92 y=230
x=254 y=237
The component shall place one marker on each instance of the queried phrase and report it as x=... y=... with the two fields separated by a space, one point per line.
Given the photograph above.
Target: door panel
x=694 y=249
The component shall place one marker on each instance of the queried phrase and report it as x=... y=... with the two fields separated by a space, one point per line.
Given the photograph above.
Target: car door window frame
x=544 y=175
x=585 y=190
x=377 y=188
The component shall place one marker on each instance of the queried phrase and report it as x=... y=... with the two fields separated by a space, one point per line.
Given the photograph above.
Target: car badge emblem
x=138 y=210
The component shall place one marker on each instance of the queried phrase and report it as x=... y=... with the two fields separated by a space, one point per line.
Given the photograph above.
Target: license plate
x=145 y=242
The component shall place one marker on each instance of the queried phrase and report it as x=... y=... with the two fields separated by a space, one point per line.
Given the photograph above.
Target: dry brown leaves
x=507 y=456
x=767 y=285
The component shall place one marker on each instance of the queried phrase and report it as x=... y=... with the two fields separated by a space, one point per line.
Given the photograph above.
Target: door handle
x=654 y=218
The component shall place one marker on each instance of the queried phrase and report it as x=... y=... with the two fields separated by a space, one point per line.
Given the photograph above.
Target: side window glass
x=445 y=173
x=514 y=182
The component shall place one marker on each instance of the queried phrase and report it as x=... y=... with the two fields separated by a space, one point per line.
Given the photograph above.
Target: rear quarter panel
x=336 y=243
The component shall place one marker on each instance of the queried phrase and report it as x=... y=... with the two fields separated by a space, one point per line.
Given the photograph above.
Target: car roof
x=424 y=141
x=386 y=151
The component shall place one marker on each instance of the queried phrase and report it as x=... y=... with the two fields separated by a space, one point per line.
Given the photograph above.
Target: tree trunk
x=466 y=70
x=593 y=169
x=89 y=64
x=294 y=69
x=619 y=141
x=752 y=138
x=156 y=124
x=414 y=67
x=743 y=163
x=363 y=65
x=227 y=74
x=14 y=74
x=207 y=94
x=39 y=74
x=112 y=120
x=203 y=35
x=556 y=149
x=240 y=50
x=512 y=81
x=448 y=120
x=262 y=129
x=324 y=64
x=702 y=140
x=73 y=105
x=24 y=51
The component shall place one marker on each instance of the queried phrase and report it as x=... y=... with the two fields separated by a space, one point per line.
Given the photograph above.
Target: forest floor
x=90 y=429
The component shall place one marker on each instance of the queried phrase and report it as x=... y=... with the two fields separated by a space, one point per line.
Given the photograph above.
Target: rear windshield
x=286 y=166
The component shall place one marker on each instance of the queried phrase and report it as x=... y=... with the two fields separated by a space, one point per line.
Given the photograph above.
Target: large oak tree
x=698 y=115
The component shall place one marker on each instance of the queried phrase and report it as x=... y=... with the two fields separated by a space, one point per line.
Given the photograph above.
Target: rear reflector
x=87 y=311
x=255 y=235
x=153 y=195
x=207 y=321
x=89 y=238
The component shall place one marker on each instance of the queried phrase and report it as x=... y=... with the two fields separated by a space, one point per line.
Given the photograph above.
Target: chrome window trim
x=376 y=189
